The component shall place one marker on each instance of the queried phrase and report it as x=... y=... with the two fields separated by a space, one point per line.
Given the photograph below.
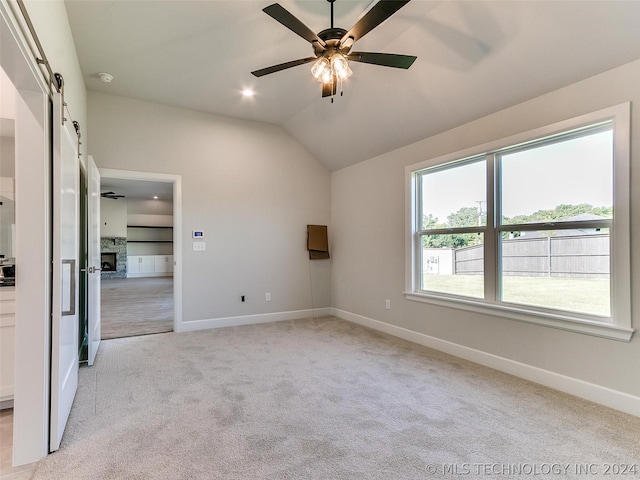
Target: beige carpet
x=321 y=399
x=136 y=306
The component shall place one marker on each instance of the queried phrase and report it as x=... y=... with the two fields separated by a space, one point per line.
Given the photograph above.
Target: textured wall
x=248 y=185
x=368 y=218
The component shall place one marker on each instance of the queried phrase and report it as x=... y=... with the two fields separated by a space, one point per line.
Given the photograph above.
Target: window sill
x=560 y=321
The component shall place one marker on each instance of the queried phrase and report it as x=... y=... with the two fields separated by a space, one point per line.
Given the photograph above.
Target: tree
x=471 y=216
x=465 y=217
x=559 y=213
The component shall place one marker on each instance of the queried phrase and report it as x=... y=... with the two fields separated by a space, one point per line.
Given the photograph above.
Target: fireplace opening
x=108 y=261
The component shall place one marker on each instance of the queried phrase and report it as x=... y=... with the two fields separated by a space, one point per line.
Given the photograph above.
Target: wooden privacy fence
x=579 y=256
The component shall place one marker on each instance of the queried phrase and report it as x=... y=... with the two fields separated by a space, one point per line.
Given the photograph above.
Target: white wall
x=137 y=206
x=113 y=217
x=369 y=239
x=149 y=213
x=7 y=157
x=248 y=185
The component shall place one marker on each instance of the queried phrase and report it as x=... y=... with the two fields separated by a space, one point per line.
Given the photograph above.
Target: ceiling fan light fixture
x=332 y=46
x=320 y=69
x=340 y=66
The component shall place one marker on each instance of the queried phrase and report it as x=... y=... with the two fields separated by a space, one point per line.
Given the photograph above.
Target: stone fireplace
x=113 y=257
x=108 y=261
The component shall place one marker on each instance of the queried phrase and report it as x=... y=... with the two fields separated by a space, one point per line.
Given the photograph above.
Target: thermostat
x=198 y=234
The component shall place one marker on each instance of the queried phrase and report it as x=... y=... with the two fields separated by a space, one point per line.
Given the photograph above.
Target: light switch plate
x=199 y=246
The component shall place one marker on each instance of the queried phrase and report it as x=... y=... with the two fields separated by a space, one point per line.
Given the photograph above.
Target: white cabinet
x=163 y=263
x=149 y=265
x=140 y=265
x=132 y=265
x=7 y=341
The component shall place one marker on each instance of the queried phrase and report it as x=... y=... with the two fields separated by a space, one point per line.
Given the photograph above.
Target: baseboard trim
x=589 y=391
x=253 y=319
x=149 y=275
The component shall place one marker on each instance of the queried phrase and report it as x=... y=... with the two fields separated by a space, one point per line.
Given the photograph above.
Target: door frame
x=176 y=180
x=33 y=242
x=94 y=320
x=83 y=264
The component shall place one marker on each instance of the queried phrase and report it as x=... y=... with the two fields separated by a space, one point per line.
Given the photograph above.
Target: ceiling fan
x=332 y=47
x=111 y=195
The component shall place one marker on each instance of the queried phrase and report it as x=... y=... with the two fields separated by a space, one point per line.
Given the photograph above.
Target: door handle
x=91 y=269
x=68 y=283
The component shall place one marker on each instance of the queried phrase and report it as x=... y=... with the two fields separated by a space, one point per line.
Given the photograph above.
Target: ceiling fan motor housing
x=331 y=37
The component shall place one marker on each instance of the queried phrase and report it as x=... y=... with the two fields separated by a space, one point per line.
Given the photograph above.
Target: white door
x=93 y=260
x=64 y=328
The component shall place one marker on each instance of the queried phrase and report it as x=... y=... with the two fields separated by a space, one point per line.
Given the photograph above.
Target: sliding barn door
x=93 y=260
x=64 y=328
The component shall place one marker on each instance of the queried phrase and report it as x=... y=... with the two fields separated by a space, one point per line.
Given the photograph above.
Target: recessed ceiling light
x=155 y=197
x=247 y=92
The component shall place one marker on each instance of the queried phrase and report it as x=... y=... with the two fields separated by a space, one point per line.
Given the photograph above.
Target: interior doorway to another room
x=83 y=300
x=138 y=253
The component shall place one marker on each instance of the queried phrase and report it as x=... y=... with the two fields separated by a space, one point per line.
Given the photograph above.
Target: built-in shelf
x=149 y=234
x=149 y=241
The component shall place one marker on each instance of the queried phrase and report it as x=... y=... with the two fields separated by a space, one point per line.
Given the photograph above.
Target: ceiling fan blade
x=282 y=66
x=279 y=13
x=108 y=193
x=383 y=59
x=374 y=17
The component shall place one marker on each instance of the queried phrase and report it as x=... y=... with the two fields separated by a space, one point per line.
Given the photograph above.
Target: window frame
x=618 y=326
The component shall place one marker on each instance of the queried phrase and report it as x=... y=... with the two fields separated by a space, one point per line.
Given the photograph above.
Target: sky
x=571 y=172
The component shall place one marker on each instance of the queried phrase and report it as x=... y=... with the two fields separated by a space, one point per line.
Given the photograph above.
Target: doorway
x=24 y=99
x=140 y=220
x=83 y=257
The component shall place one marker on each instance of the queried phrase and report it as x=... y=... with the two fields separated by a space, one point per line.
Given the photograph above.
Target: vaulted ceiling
x=474 y=58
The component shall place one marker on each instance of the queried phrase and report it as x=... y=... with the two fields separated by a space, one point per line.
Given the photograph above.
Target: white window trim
x=620 y=327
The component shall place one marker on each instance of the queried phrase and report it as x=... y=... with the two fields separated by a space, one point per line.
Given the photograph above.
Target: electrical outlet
x=268 y=297
x=387 y=304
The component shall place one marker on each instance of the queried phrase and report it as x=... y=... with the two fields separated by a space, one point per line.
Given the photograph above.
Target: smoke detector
x=105 y=77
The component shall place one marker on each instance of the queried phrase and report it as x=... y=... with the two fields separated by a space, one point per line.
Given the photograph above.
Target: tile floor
x=7 y=472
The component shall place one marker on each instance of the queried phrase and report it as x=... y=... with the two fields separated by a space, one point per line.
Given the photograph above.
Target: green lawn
x=582 y=295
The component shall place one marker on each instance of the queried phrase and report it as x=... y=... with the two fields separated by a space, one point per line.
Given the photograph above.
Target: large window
x=534 y=227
